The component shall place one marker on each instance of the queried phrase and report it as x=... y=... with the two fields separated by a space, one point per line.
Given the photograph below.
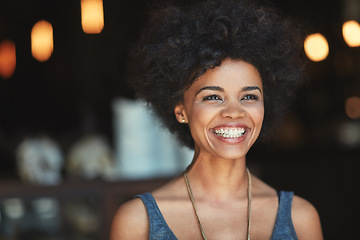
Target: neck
x=222 y=179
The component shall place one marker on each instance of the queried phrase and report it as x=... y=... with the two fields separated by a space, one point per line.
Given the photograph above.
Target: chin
x=231 y=153
x=234 y=156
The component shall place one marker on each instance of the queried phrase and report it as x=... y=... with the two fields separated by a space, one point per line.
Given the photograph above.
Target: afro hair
x=180 y=43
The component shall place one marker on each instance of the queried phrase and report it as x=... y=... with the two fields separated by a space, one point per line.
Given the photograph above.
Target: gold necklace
x=197 y=214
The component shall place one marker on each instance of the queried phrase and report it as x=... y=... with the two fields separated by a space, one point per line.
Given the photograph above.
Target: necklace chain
x=197 y=214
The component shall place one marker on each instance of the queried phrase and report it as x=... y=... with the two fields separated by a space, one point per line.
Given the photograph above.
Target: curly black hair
x=180 y=43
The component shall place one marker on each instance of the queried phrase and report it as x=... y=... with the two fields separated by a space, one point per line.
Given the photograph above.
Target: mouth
x=229 y=132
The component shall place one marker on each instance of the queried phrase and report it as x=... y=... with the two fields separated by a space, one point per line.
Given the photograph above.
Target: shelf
x=109 y=195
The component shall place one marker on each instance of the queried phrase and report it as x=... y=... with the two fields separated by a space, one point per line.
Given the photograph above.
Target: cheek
x=200 y=114
x=258 y=114
x=261 y=114
x=199 y=119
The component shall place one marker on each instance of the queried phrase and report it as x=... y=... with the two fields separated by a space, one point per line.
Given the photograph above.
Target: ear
x=180 y=113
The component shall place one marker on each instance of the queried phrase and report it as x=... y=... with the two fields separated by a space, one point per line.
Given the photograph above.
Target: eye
x=212 y=98
x=250 y=97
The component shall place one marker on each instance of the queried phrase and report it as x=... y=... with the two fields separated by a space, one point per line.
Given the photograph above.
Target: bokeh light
x=7 y=58
x=92 y=16
x=349 y=134
x=42 y=41
x=316 y=47
x=351 y=33
x=352 y=107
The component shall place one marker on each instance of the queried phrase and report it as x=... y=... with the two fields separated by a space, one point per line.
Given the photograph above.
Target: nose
x=233 y=110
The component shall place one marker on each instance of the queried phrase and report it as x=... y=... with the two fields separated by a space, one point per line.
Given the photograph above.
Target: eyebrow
x=251 y=88
x=214 y=88
x=220 y=89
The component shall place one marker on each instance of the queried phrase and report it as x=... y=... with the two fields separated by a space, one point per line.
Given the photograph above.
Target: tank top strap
x=158 y=226
x=284 y=228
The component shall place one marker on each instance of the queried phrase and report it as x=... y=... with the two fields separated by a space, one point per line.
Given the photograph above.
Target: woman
x=216 y=73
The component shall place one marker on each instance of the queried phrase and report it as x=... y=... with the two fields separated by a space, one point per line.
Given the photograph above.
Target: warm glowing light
x=42 y=42
x=92 y=16
x=7 y=59
x=351 y=33
x=316 y=47
x=352 y=107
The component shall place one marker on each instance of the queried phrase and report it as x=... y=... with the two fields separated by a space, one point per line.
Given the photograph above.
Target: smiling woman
x=215 y=72
x=224 y=116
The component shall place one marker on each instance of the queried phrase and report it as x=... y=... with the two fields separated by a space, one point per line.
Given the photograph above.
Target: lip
x=232 y=140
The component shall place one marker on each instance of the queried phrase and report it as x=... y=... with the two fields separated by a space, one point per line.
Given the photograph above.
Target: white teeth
x=230 y=132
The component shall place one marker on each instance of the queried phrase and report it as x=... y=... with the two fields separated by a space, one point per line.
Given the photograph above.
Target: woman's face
x=224 y=109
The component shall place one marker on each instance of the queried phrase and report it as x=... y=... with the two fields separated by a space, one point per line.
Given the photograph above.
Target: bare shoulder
x=130 y=221
x=263 y=189
x=306 y=219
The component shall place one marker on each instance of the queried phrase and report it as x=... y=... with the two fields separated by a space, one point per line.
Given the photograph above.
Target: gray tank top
x=159 y=230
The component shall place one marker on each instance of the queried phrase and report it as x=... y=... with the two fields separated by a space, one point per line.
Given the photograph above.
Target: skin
x=227 y=97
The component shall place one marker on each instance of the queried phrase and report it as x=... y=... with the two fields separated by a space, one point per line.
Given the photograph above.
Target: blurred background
x=70 y=129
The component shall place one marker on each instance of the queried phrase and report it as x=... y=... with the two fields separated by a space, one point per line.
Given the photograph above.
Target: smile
x=229 y=132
